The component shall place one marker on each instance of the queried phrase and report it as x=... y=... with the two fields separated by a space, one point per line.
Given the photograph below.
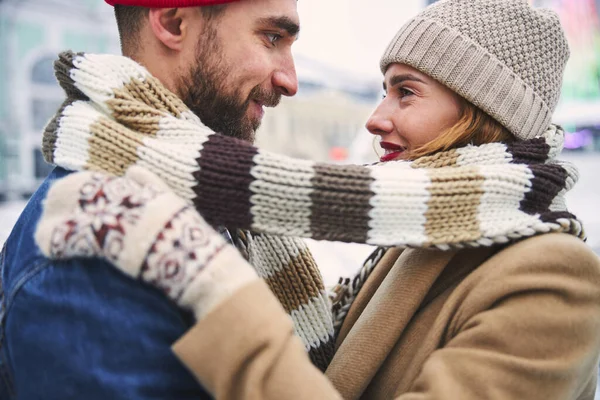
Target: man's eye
x=273 y=38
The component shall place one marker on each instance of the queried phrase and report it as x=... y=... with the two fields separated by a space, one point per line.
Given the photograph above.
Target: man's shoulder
x=21 y=254
x=24 y=268
x=111 y=333
x=30 y=215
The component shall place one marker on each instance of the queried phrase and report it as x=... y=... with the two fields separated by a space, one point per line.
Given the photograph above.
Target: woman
x=494 y=294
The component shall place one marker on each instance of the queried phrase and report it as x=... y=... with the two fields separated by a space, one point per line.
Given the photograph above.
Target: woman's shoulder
x=553 y=248
x=550 y=268
x=542 y=258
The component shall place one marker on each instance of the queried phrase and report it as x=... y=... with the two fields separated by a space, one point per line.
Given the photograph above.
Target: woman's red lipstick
x=392 y=151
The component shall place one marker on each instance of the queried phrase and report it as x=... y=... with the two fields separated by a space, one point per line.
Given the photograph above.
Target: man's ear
x=170 y=25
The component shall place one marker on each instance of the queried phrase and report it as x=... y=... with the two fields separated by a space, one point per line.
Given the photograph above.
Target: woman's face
x=415 y=110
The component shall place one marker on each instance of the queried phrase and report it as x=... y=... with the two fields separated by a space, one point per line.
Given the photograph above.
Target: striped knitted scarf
x=102 y=126
x=117 y=115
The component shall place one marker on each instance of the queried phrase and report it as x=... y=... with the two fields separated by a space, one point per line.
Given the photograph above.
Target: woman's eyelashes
x=400 y=92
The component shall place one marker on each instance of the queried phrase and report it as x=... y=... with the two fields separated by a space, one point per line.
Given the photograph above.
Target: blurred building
x=322 y=121
x=32 y=33
x=579 y=108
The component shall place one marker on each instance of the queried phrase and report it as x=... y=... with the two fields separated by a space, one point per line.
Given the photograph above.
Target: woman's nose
x=379 y=123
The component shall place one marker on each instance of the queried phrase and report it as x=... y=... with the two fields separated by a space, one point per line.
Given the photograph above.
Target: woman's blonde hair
x=474 y=127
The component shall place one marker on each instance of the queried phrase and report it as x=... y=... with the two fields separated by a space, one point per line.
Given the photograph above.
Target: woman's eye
x=273 y=38
x=405 y=92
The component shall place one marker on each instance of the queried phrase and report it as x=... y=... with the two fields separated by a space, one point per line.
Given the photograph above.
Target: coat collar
x=383 y=318
x=401 y=284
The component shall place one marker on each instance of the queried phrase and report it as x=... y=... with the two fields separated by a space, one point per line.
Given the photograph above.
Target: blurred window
x=46 y=94
x=42 y=169
x=2 y=159
x=43 y=110
x=43 y=71
x=46 y=97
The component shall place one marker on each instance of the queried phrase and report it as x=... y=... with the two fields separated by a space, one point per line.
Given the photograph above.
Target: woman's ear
x=169 y=26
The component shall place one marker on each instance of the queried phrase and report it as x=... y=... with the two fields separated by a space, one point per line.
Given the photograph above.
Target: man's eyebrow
x=398 y=79
x=285 y=23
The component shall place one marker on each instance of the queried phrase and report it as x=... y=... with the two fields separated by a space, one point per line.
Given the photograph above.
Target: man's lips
x=259 y=108
x=392 y=151
x=260 y=104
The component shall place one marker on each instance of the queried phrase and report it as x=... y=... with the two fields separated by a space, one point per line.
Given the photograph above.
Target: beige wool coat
x=522 y=322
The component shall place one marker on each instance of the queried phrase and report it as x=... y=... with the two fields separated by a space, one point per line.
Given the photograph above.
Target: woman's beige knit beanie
x=504 y=56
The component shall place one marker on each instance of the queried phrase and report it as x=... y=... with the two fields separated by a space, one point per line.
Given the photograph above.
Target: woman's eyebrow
x=397 y=79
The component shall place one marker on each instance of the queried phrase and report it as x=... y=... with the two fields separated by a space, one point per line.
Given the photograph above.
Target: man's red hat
x=167 y=3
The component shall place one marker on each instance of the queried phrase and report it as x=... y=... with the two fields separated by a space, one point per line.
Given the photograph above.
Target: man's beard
x=204 y=91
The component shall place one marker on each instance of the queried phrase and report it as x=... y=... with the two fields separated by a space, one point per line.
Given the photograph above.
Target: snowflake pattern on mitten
x=106 y=205
x=182 y=249
x=113 y=217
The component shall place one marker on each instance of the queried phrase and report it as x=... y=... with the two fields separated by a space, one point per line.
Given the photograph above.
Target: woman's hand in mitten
x=145 y=230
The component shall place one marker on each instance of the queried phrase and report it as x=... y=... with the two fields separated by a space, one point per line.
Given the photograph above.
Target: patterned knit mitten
x=140 y=226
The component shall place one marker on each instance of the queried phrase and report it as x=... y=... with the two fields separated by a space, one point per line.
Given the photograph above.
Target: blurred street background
x=337 y=59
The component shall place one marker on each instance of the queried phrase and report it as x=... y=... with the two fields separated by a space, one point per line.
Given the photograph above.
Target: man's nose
x=285 y=80
x=379 y=123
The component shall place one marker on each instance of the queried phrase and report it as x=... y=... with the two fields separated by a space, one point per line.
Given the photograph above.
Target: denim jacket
x=80 y=329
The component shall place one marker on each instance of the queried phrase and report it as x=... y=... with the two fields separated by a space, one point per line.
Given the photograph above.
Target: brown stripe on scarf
x=151 y=93
x=62 y=70
x=130 y=112
x=548 y=180
x=463 y=196
x=525 y=152
x=321 y=356
x=108 y=154
x=553 y=216
x=51 y=132
x=444 y=159
x=294 y=285
x=341 y=198
x=226 y=175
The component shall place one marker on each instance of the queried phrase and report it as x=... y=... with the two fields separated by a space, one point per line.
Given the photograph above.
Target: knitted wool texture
x=117 y=116
x=147 y=118
x=504 y=56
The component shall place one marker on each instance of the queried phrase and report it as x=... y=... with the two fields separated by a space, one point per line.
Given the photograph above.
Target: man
x=79 y=329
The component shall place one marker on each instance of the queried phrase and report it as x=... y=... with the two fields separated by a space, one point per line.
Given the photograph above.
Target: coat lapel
x=366 y=292
x=378 y=328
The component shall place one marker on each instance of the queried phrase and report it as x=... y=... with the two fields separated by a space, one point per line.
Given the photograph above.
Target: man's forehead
x=271 y=9
x=278 y=14
x=169 y=3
